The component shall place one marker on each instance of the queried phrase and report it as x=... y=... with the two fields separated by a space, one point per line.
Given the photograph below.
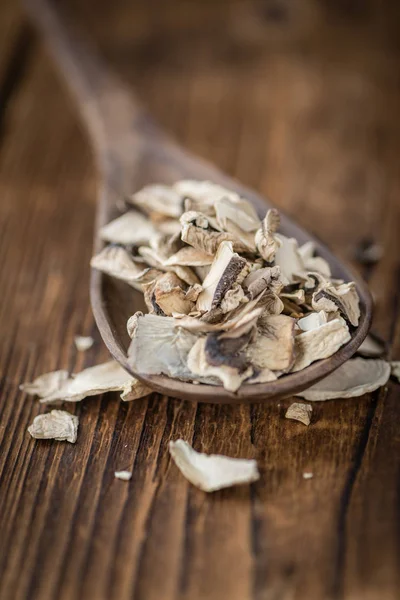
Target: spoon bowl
x=131 y=152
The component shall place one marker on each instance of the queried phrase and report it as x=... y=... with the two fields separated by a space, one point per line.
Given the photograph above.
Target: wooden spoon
x=131 y=152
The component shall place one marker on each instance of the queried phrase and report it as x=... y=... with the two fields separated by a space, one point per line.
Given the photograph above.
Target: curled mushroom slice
x=355 y=377
x=395 y=369
x=57 y=425
x=202 y=363
x=266 y=241
x=154 y=259
x=160 y=347
x=211 y=472
x=224 y=273
x=343 y=297
x=314 y=263
x=170 y=296
x=130 y=228
x=118 y=262
x=107 y=377
x=273 y=346
x=288 y=258
x=159 y=199
x=319 y=343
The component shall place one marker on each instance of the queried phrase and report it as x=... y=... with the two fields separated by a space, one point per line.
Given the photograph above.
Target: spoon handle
x=106 y=104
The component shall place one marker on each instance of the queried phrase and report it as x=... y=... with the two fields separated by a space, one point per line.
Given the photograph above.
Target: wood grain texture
x=309 y=121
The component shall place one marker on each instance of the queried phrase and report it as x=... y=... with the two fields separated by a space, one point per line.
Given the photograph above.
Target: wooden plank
x=313 y=124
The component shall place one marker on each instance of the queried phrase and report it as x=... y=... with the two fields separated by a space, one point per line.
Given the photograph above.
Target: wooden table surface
x=300 y=101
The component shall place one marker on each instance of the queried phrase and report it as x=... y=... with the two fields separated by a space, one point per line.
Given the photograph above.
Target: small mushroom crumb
x=83 y=343
x=58 y=425
x=124 y=475
x=299 y=412
x=308 y=475
x=230 y=299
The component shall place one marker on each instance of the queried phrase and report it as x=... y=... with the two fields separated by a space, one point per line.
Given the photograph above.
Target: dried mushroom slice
x=238 y=211
x=314 y=263
x=189 y=257
x=355 y=377
x=273 y=347
x=83 y=343
x=158 y=199
x=45 y=384
x=224 y=273
x=211 y=472
x=170 y=296
x=343 y=298
x=57 y=425
x=154 y=259
x=118 y=262
x=319 y=343
x=130 y=228
x=312 y=321
x=202 y=365
x=108 y=377
x=259 y=280
x=299 y=412
x=159 y=346
x=288 y=258
x=204 y=191
x=197 y=232
x=266 y=241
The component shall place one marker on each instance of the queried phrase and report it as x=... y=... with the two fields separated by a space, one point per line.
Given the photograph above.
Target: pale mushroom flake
x=118 y=262
x=107 y=377
x=273 y=347
x=319 y=343
x=83 y=343
x=159 y=199
x=312 y=321
x=57 y=424
x=130 y=228
x=314 y=263
x=288 y=258
x=212 y=472
x=266 y=241
x=299 y=412
x=355 y=377
x=160 y=347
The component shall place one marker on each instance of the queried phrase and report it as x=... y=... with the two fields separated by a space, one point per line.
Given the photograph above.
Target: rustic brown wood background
x=301 y=101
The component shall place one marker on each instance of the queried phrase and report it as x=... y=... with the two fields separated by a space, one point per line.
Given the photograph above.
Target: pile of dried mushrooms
x=229 y=298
